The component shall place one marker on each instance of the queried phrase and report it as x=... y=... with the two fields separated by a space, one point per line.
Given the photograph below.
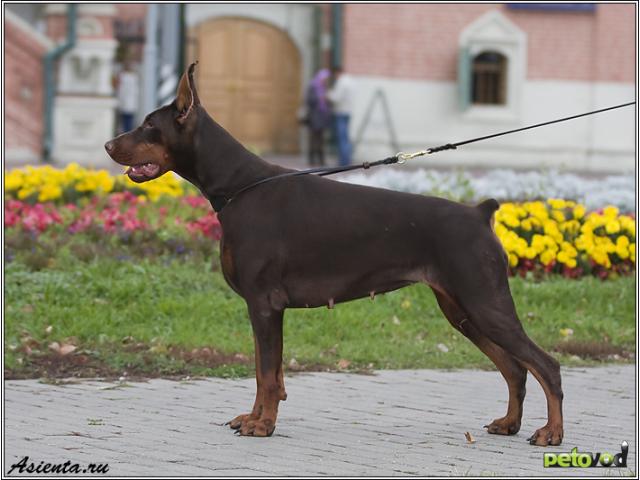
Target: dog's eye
x=147 y=125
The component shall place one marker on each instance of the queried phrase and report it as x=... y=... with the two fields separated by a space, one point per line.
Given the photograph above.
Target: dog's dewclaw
x=469 y=437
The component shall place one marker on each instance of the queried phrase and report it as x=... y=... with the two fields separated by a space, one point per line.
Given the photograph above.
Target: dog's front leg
x=267 y=330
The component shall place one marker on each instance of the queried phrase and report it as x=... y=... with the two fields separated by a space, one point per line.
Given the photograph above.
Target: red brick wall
x=421 y=41
x=23 y=90
x=57 y=27
x=616 y=47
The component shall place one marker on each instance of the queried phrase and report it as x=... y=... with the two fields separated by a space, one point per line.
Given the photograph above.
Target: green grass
x=145 y=316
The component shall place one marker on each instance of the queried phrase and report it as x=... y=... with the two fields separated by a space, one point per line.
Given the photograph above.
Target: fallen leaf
x=443 y=348
x=66 y=349
x=406 y=304
x=206 y=352
x=63 y=349
x=158 y=349
x=469 y=437
x=28 y=341
x=343 y=364
x=241 y=357
x=566 y=332
x=396 y=320
x=48 y=330
x=293 y=363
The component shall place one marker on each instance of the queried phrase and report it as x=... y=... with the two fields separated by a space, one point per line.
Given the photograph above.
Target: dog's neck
x=220 y=165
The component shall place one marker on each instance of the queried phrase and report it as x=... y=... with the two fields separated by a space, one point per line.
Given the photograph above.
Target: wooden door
x=248 y=78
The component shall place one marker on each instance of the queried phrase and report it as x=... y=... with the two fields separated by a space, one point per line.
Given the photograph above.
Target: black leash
x=220 y=202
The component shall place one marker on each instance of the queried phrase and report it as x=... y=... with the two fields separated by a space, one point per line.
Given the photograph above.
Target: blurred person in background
x=341 y=96
x=318 y=115
x=127 y=88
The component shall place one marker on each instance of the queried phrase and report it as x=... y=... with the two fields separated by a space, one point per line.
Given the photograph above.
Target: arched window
x=492 y=64
x=489 y=79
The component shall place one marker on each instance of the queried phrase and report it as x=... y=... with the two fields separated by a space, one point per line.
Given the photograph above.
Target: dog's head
x=164 y=139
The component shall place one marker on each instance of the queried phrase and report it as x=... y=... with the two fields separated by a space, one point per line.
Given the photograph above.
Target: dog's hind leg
x=267 y=327
x=513 y=372
x=493 y=314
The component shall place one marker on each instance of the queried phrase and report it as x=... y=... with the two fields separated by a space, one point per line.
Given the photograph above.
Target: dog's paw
x=503 y=426
x=237 y=422
x=547 y=435
x=257 y=427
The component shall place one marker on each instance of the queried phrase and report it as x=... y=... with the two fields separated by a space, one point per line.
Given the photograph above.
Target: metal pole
x=336 y=40
x=50 y=83
x=150 y=98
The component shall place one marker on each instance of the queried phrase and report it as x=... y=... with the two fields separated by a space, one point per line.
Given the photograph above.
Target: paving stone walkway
x=409 y=422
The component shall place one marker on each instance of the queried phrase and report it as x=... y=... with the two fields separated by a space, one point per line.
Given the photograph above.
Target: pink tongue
x=148 y=169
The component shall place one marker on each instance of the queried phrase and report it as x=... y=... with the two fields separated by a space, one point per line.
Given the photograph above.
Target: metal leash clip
x=403 y=157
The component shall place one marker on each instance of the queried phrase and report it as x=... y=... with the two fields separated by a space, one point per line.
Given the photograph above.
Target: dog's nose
x=108 y=147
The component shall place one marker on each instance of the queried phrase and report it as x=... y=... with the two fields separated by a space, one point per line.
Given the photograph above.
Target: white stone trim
x=494 y=32
x=89 y=9
x=19 y=157
x=426 y=114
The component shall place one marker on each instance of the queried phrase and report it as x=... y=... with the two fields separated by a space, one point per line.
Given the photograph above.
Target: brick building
x=445 y=72
x=24 y=50
x=82 y=105
x=558 y=60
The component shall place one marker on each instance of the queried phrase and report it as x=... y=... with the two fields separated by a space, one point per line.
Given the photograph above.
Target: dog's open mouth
x=144 y=172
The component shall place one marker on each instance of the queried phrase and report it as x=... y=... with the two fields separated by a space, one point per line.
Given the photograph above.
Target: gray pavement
x=409 y=422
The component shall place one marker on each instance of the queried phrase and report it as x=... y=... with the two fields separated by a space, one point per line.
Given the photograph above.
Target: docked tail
x=487 y=209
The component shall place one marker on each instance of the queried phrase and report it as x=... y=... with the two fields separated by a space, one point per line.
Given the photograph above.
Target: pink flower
x=195 y=201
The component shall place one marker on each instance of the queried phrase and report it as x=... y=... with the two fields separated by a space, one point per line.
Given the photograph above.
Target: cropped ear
x=187 y=96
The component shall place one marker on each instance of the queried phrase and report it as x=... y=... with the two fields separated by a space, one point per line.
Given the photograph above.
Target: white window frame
x=494 y=32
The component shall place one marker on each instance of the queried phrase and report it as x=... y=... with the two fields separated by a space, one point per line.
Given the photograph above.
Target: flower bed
x=559 y=236
x=48 y=184
x=553 y=236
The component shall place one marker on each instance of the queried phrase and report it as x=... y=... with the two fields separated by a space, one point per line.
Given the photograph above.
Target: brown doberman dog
x=308 y=241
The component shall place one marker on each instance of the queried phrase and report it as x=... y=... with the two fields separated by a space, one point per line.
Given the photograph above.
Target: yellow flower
x=622 y=240
x=49 y=192
x=557 y=203
x=628 y=224
x=622 y=251
x=558 y=216
x=538 y=243
x=13 y=180
x=569 y=249
x=579 y=211
x=600 y=256
x=500 y=229
x=513 y=259
x=612 y=226
x=547 y=257
x=571 y=227
x=526 y=225
x=610 y=212
x=25 y=192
